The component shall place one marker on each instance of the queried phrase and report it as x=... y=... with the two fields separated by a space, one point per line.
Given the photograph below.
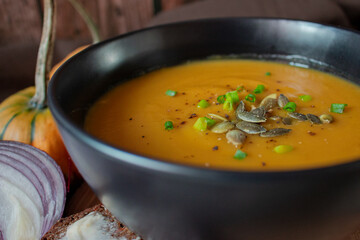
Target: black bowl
x=161 y=200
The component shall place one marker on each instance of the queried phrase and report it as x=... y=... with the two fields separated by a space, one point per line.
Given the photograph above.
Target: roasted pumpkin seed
x=250 y=117
x=250 y=128
x=286 y=121
x=218 y=117
x=222 y=127
x=240 y=107
x=313 y=118
x=298 y=116
x=236 y=137
x=269 y=102
x=282 y=100
x=260 y=111
x=326 y=118
x=275 y=132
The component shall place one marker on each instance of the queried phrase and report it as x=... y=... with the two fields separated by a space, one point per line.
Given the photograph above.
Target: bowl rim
x=162 y=165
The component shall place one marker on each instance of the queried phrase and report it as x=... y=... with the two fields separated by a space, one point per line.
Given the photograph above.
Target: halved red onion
x=32 y=191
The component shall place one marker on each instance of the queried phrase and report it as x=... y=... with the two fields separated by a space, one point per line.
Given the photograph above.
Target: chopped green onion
x=171 y=93
x=290 y=107
x=221 y=99
x=240 y=88
x=267 y=73
x=305 y=98
x=210 y=122
x=250 y=98
x=169 y=125
x=259 y=89
x=228 y=105
x=240 y=155
x=200 y=124
x=231 y=99
x=203 y=104
x=233 y=96
x=337 y=107
x=283 y=149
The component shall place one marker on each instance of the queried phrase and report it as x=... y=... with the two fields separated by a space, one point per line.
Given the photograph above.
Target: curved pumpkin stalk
x=44 y=58
x=94 y=31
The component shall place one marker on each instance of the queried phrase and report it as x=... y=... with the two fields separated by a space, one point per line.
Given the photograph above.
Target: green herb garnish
x=230 y=99
x=259 y=89
x=250 y=98
x=221 y=99
x=337 y=107
x=171 y=93
x=169 y=125
x=283 y=149
x=201 y=124
x=305 y=98
x=203 y=104
x=290 y=107
x=210 y=122
x=240 y=155
x=267 y=73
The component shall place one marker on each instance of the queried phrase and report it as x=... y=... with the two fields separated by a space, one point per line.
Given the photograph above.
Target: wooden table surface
x=83 y=197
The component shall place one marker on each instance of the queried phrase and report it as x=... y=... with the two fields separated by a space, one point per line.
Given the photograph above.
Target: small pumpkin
x=35 y=126
x=25 y=117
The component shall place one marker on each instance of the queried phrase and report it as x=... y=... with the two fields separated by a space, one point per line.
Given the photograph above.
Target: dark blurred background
x=20 y=24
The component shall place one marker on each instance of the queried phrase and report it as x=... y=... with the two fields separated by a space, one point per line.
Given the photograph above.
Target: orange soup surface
x=132 y=116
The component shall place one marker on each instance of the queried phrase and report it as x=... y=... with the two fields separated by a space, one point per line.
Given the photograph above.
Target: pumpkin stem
x=44 y=57
x=94 y=30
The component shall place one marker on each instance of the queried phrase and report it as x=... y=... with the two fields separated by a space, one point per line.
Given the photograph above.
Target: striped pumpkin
x=20 y=122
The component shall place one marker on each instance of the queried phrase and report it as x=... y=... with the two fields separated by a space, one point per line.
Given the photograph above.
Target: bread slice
x=111 y=228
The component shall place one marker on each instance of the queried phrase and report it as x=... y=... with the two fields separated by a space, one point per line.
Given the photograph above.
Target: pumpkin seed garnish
x=250 y=128
x=314 y=119
x=275 y=132
x=250 y=117
x=240 y=107
x=236 y=137
x=269 y=102
x=260 y=111
x=218 y=117
x=298 y=116
x=326 y=118
x=282 y=100
x=222 y=127
x=286 y=121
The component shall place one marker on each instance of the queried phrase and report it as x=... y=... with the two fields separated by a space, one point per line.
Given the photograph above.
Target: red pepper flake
x=176 y=110
x=130 y=118
x=207 y=133
x=278 y=81
x=312 y=106
x=183 y=122
x=263 y=164
x=215 y=148
x=143 y=136
x=186 y=103
x=227 y=85
x=192 y=115
x=311 y=133
x=278 y=90
x=183 y=93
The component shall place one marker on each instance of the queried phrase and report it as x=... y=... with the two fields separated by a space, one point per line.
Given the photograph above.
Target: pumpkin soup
x=233 y=114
